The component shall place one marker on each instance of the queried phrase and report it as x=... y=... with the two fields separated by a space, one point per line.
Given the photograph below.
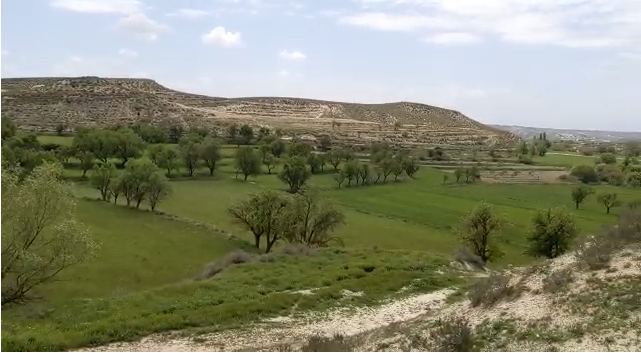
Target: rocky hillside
x=44 y=103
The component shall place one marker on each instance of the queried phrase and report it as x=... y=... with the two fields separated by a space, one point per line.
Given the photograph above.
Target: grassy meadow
x=396 y=235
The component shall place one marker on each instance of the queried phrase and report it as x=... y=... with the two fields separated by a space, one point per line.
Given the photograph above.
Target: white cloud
x=570 y=23
x=453 y=38
x=223 y=38
x=292 y=55
x=128 y=53
x=142 y=26
x=189 y=13
x=99 y=6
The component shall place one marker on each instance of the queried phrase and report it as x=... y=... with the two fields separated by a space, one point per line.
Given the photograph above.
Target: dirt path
x=285 y=330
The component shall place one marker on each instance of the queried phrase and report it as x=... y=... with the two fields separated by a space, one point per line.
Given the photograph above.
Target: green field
x=395 y=235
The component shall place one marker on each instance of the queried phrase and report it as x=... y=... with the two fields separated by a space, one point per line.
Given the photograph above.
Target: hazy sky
x=554 y=63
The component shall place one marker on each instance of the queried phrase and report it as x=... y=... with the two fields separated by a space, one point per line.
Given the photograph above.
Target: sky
x=547 y=63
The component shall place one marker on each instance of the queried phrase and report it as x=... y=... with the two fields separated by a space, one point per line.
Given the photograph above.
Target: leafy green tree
x=397 y=167
x=41 y=237
x=9 y=128
x=364 y=174
x=246 y=134
x=278 y=147
x=585 y=173
x=102 y=143
x=315 y=162
x=609 y=200
x=175 y=133
x=410 y=166
x=352 y=170
x=335 y=158
x=101 y=178
x=86 y=162
x=580 y=193
x=270 y=162
x=479 y=231
x=169 y=159
x=295 y=173
x=387 y=167
x=209 y=152
x=301 y=149
x=340 y=178
x=158 y=188
x=232 y=132
x=247 y=162
x=552 y=233
x=264 y=214
x=136 y=178
x=154 y=151
x=325 y=142
x=190 y=153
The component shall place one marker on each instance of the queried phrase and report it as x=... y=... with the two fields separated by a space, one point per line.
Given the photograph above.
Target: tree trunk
x=607 y=210
x=211 y=171
x=257 y=241
x=577 y=205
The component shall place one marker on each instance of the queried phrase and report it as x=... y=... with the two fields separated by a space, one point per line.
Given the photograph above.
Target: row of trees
x=627 y=173
x=140 y=180
x=609 y=200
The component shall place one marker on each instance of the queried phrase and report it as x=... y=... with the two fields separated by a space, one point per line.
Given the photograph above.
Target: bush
x=558 y=280
x=585 y=173
x=553 y=232
x=525 y=159
x=453 y=335
x=233 y=258
x=596 y=253
x=466 y=257
x=491 y=290
x=297 y=249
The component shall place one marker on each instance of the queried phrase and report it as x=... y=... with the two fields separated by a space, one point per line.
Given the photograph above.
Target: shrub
x=596 y=253
x=297 y=249
x=553 y=232
x=466 y=257
x=233 y=258
x=585 y=173
x=491 y=290
x=558 y=280
x=453 y=335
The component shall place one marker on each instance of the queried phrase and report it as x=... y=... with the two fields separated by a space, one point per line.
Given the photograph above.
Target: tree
x=209 y=152
x=168 y=159
x=387 y=167
x=278 y=147
x=364 y=173
x=127 y=144
x=340 y=178
x=315 y=162
x=608 y=200
x=40 y=234
x=102 y=177
x=608 y=158
x=552 y=234
x=311 y=219
x=190 y=153
x=158 y=188
x=298 y=148
x=351 y=170
x=410 y=166
x=270 y=162
x=264 y=214
x=136 y=179
x=446 y=178
x=579 y=194
x=246 y=134
x=175 y=133
x=479 y=231
x=247 y=162
x=397 y=168
x=295 y=173
x=585 y=173
x=232 y=132
x=325 y=142
x=154 y=152
x=102 y=143
x=86 y=162
x=335 y=157
x=9 y=128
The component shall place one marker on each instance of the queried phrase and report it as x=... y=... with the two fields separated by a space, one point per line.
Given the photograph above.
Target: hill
x=527 y=132
x=45 y=102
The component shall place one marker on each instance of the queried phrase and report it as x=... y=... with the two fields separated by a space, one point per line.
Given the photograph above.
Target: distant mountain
x=528 y=132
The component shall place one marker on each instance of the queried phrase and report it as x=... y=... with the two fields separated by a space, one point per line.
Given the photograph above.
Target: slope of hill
x=43 y=103
x=527 y=132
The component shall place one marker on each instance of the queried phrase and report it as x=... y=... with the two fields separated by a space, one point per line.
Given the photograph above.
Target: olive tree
x=209 y=152
x=479 y=231
x=552 y=233
x=158 y=188
x=40 y=234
